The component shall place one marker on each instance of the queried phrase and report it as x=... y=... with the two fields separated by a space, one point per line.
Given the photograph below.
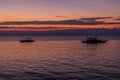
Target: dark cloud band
x=81 y=21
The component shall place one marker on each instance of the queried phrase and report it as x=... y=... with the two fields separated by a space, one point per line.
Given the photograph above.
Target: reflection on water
x=59 y=60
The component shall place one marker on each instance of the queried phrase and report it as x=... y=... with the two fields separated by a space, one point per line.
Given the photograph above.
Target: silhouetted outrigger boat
x=93 y=40
x=27 y=40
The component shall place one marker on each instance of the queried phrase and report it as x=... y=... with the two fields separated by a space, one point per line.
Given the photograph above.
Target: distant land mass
x=67 y=32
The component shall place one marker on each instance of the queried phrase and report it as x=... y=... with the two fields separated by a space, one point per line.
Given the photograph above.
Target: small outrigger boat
x=93 y=40
x=27 y=40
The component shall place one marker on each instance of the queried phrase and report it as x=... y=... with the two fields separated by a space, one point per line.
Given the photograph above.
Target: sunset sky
x=59 y=13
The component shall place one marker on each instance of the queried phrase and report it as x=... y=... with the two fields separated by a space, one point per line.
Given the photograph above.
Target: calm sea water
x=59 y=58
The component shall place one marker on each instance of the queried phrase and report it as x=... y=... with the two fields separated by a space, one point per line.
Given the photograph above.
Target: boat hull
x=26 y=41
x=94 y=41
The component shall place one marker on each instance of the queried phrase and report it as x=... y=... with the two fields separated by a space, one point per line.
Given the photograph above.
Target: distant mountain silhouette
x=68 y=32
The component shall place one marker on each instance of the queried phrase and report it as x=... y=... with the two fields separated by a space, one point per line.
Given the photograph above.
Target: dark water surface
x=59 y=60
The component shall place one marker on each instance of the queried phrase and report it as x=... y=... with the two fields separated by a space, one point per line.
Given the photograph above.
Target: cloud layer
x=81 y=21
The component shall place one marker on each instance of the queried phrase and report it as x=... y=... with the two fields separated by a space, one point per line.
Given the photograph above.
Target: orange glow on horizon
x=53 y=27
